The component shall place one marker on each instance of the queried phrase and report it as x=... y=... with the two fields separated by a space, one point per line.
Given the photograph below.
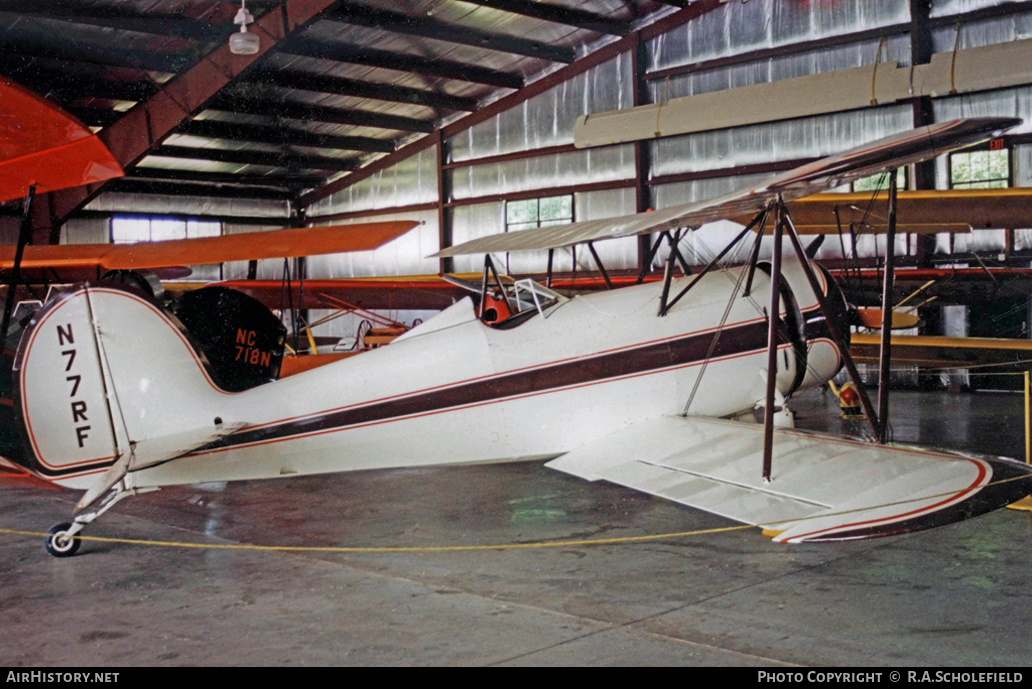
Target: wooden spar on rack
x=884 y=357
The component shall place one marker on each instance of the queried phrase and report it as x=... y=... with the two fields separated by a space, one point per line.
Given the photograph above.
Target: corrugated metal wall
x=547 y=120
x=733 y=30
x=739 y=28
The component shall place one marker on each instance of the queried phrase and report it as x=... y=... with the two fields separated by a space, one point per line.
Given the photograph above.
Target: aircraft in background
x=629 y=385
x=44 y=149
x=852 y=216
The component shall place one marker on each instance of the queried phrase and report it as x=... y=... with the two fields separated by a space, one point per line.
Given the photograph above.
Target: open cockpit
x=502 y=302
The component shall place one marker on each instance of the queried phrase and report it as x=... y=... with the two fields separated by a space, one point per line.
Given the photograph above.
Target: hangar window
x=126 y=229
x=541 y=212
x=881 y=181
x=985 y=169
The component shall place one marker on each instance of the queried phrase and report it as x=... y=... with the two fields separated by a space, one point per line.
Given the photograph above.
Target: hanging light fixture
x=243 y=43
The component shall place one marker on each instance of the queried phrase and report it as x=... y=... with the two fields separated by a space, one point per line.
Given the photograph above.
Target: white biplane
x=632 y=385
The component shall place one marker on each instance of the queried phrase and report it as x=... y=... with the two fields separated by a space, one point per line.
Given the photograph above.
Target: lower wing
x=822 y=488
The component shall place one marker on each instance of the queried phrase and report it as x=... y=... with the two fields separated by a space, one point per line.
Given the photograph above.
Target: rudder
x=101 y=372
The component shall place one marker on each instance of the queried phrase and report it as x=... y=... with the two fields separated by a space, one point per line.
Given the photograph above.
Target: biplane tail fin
x=106 y=383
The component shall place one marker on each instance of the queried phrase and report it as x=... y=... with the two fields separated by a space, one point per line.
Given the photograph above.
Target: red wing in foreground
x=43 y=145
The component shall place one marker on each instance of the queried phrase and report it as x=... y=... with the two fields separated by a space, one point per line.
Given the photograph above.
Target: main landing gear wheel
x=59 y=544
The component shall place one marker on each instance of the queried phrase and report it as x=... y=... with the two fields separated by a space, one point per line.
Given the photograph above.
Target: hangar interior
x=463 y=115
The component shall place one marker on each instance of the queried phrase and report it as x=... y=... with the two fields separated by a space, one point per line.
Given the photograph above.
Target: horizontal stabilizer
x=14 y=476
x=822 y=487
x=154 y=451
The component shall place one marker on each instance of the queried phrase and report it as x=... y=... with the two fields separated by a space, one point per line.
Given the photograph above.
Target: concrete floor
x=956 y=596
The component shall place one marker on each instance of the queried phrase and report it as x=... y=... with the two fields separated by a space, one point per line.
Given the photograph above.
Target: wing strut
x=24 y=233
x=646 y=264
x=772 y=338
x=865 y=401
x=783 y=225
x=601 y=268
x=754 y=255
x=665 y=307
x=489 y=271
x=668 y=271
x=885 y=354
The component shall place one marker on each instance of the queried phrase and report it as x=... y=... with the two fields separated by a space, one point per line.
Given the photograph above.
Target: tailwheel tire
x=59 y=544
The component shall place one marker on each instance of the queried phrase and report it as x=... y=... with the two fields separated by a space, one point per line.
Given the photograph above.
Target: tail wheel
x=59 y=543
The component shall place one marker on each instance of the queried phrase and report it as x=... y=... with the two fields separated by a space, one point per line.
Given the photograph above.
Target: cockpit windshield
x=518 y=301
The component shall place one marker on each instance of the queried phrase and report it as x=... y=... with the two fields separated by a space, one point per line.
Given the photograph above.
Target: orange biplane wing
x=406 y=292
x=249 y=246
x=43 y=145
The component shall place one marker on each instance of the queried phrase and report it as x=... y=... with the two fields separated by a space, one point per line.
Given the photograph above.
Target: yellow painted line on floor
x=497 y=546
x=391 y=549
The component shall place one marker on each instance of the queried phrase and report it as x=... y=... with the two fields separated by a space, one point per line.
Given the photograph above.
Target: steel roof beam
x=94 y=116
x=560 y=15
x=272 y=107
x=57 y=47
x=296 y=161
x=200 y=215
x=123 y=18
x=174 y=188
x=215 y=129
x=69 y=86
x=372 y=57
x=144 y=127
x=427 y=27
x=276 y=181
x=338 y=86
x=606 y=52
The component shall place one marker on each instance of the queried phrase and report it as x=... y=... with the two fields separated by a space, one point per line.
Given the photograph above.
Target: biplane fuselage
x=453 y=390
x=621 y=385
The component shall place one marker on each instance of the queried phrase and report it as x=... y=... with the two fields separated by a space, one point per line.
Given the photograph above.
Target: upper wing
x=827 y=173
x=43 y=145
x=249 y=246
x=822 y=488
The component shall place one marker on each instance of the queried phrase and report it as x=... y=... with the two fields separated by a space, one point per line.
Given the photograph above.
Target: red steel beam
x=143 y=128
x=607 y=52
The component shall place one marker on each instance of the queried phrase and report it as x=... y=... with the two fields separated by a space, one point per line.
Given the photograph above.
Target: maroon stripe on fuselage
x=676 y=352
